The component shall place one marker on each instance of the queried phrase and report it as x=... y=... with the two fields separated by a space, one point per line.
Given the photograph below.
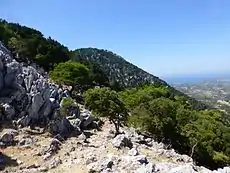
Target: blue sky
x=164 y=37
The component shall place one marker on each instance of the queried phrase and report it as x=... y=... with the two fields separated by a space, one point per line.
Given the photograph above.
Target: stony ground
x=93 y=151
x=27 y=97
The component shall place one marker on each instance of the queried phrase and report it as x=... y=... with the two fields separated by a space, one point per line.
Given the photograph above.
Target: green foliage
x=136 y=96
x=30 y=45
x=220 y=158
x=66 y=105
x=97 y=76
x=208 y=131
x=120 y=72
x=71 y=73
x=205 y=135
x=158 y=117
x=106 y=69
x=106 y=103
x=155 y=106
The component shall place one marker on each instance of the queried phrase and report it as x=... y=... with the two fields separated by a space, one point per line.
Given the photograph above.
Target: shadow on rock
x=88 y=134
x=7 y=124
x=6 y=161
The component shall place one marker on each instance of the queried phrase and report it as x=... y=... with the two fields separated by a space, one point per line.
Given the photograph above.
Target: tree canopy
x=204 y=135
x=28 y=44
x=173 y=117
x=106 y=103
x=71 y=73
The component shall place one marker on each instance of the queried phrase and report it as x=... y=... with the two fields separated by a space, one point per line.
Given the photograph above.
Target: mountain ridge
x=29 y=45
x=116 y=65
x=120 y=70
x=151 y=103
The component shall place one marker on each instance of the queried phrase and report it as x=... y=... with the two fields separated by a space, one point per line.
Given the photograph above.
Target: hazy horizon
x=195 y=78
x=166 y=38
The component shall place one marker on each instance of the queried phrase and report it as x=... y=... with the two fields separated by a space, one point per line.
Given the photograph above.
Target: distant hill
x=116 y=67
x=171 y=116
x=29 y=45
x=127 y=75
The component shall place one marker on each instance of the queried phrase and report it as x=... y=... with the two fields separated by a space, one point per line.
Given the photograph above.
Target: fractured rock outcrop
x=27 y=96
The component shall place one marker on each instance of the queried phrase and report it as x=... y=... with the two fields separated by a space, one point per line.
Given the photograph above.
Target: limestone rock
x=224 y=170
x=102 y=165
x=75 y=123
x=205 y=170
x=141 y=158
x=86 y=118
x=184 y=158
x=9 y=111
x=148 y=168
x=46 y=156
x=122 y=141
x=107 y=163
x=55 y=163
x=182 y=169
x=133 y=152
x=87 y=121
x=30 y=99
x=90 y=160
x=26 y=141
x=164 y=167
x=60 y=126
x=7 y=136
x=54 y=146
x=37 y=102
x=82 y=137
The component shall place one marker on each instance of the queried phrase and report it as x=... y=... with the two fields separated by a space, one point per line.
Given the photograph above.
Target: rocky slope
x=95 y=151
x=28 y=99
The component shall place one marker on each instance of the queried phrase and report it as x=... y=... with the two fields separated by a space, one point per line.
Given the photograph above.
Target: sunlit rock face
x=26 y=95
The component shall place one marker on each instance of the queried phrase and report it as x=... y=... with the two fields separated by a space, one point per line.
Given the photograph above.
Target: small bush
x=67 y=104
x=71 y=73
x=106 y=103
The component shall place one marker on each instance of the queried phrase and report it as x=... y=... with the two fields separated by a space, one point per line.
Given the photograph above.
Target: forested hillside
x=28 y=44
x=122 y=74
x=105 y=67
x=126 y=94
x=204 y=135
x=116 y=67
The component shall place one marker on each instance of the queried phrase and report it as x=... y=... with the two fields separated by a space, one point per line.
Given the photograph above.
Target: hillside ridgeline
x=29 y=98
x=105 y=68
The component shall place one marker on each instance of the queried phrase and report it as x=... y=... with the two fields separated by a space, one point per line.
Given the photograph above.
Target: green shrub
x=204 y=135
x=106 y=103
x=136 y=96
x=71 y=73
x=66 y=104
x=30 y=44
